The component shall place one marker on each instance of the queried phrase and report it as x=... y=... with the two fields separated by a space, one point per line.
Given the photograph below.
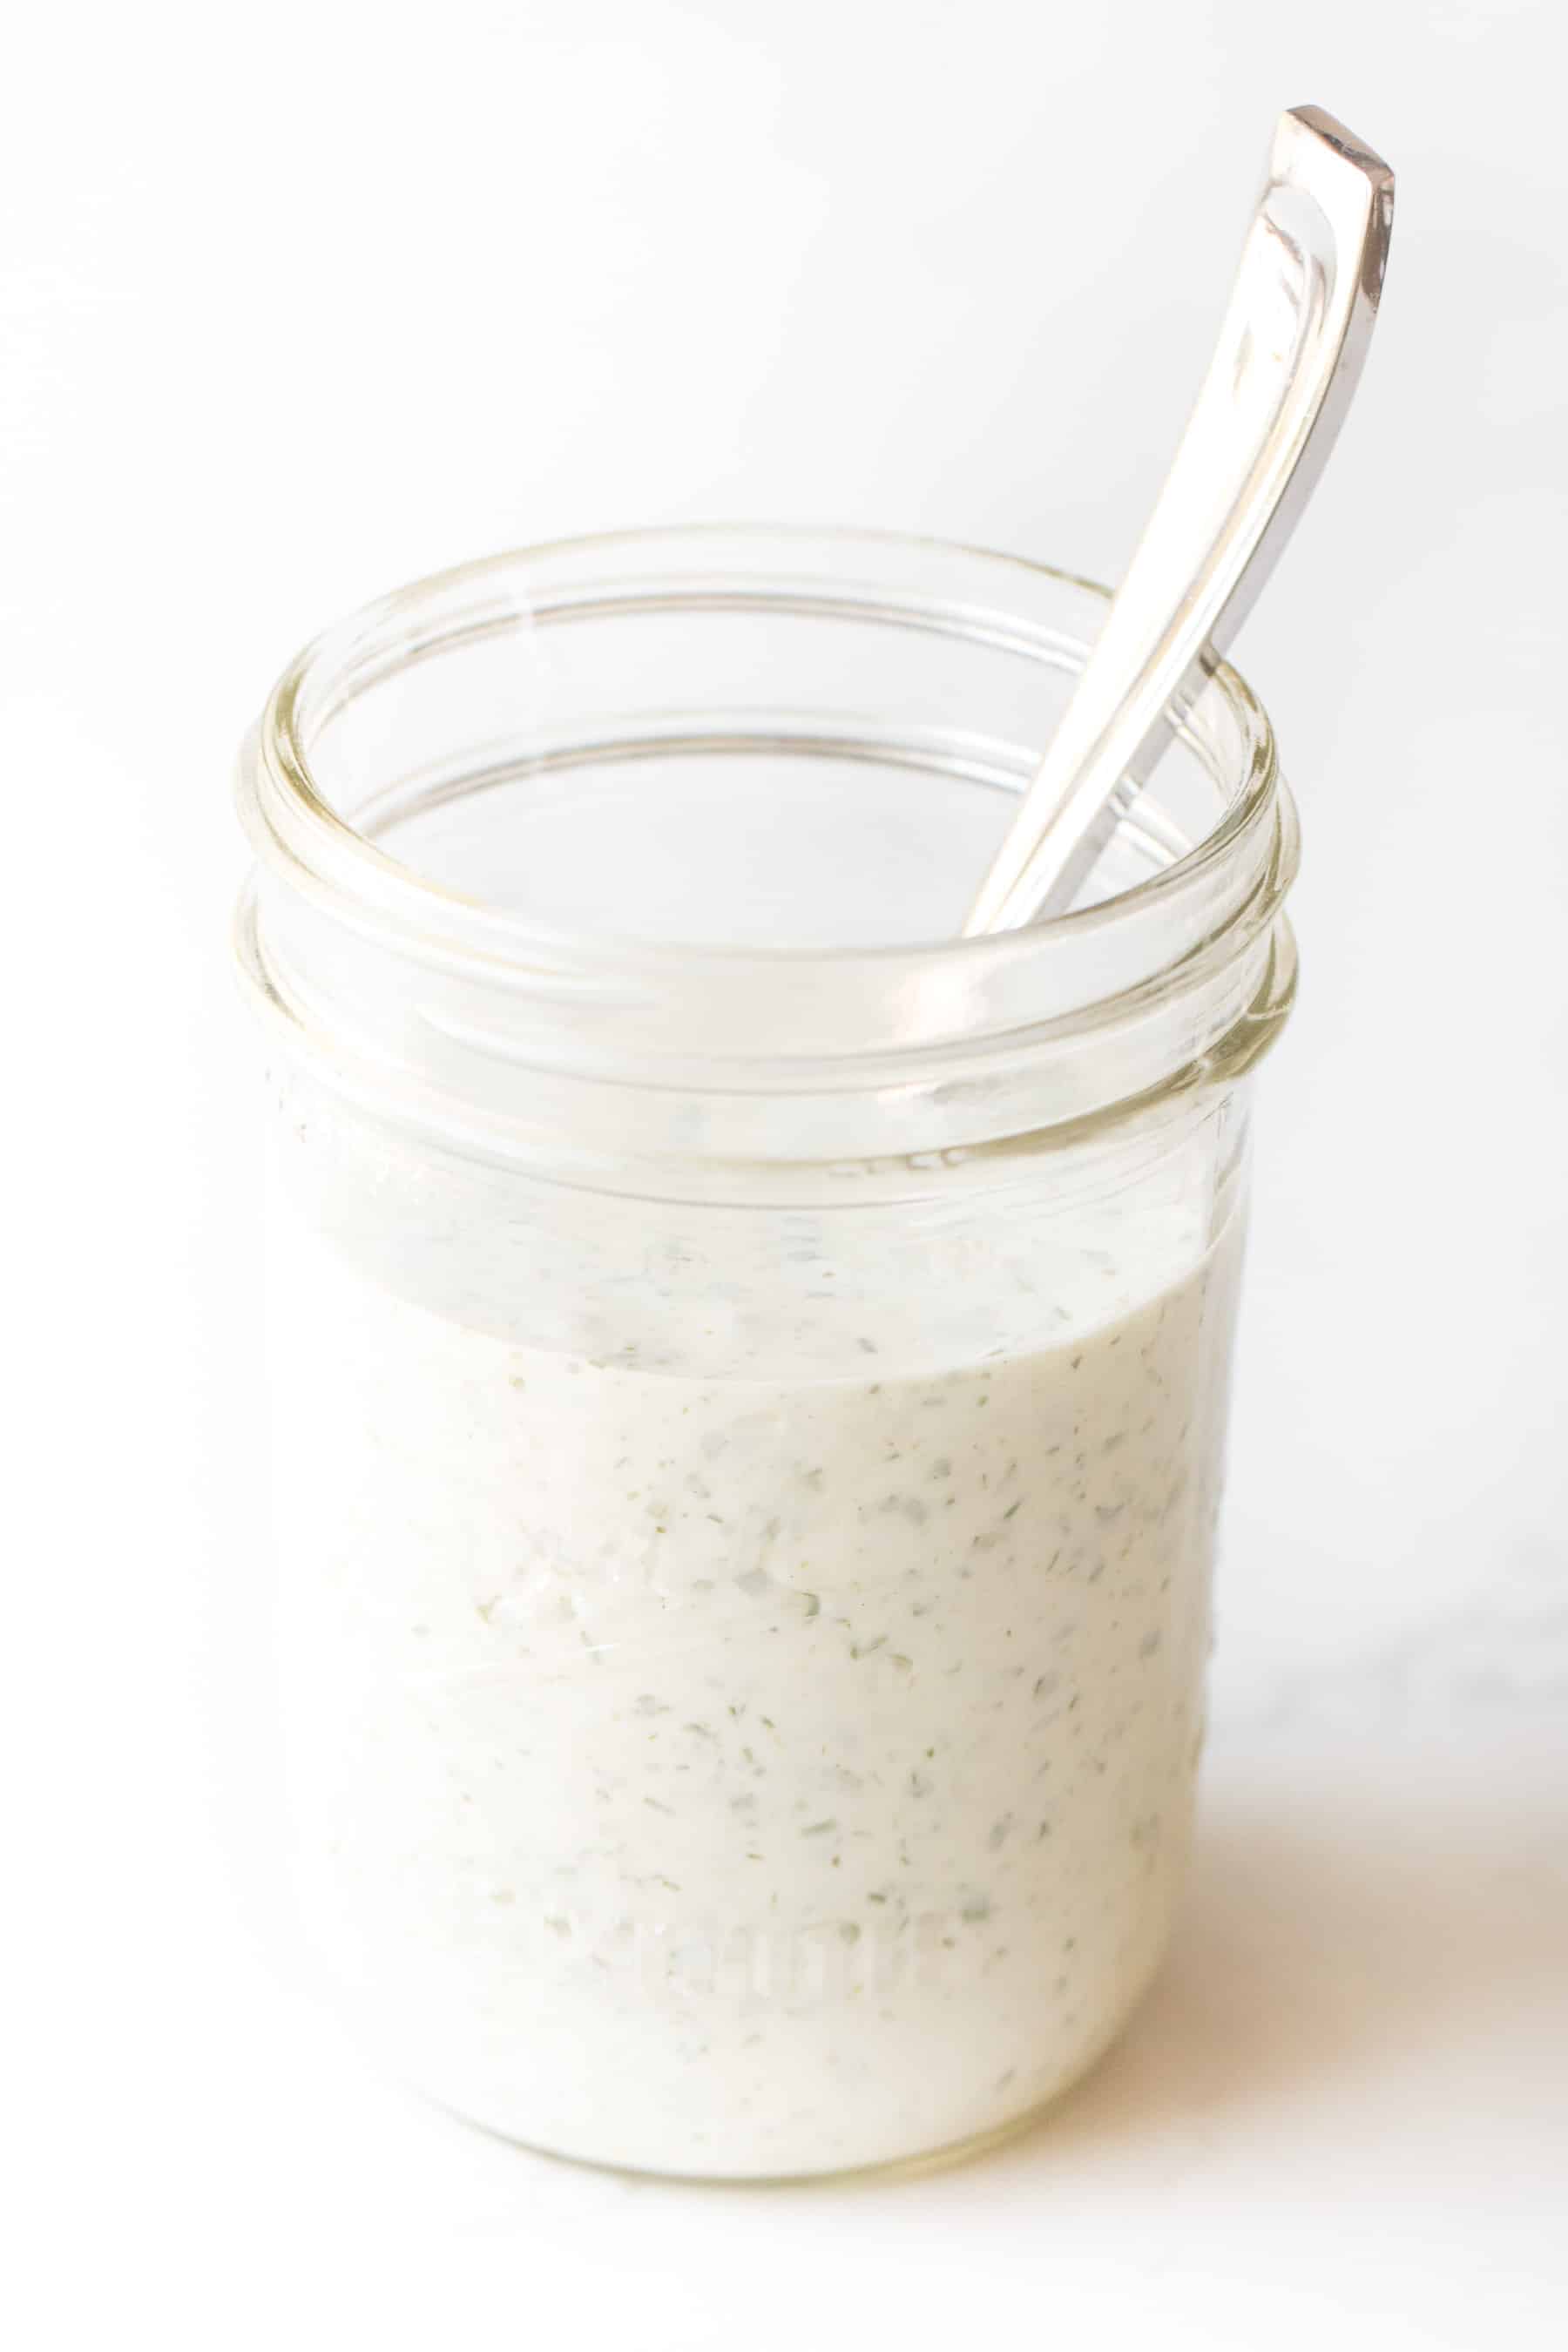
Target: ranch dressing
x=717 y=1774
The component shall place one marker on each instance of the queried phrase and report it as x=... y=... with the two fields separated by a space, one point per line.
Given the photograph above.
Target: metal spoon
x=1287 y=365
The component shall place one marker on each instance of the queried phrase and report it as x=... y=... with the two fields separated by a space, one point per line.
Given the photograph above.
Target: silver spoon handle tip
x=1288 y=358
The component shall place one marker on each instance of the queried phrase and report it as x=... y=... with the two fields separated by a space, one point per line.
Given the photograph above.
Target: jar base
x=946 y=2156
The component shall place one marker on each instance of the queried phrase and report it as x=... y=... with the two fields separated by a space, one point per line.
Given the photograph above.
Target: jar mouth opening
x=294 y=827
x=489 y=714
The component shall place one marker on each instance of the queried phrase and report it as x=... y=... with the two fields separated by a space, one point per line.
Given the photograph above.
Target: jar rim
x=510 y=1035
x=291 y=823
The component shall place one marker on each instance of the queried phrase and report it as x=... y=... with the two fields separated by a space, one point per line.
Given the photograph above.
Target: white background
x=301 y=301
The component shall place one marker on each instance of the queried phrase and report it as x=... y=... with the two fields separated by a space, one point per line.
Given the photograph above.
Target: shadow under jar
x=750 y=1367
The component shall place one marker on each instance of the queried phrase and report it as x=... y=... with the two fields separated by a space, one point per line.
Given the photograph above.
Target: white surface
x=298 y=305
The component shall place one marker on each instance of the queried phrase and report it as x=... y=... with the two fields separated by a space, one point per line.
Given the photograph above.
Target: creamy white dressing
x=731 y=1776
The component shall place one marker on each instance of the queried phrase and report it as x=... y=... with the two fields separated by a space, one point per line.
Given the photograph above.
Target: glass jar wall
x=750 y=1367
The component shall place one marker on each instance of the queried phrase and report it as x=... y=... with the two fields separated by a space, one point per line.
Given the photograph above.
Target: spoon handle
x=1288 y=358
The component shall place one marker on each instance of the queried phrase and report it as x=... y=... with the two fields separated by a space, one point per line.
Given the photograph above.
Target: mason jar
x=749 y=1365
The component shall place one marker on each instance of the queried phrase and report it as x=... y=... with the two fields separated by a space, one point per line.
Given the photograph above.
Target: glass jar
x=750 y=1367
